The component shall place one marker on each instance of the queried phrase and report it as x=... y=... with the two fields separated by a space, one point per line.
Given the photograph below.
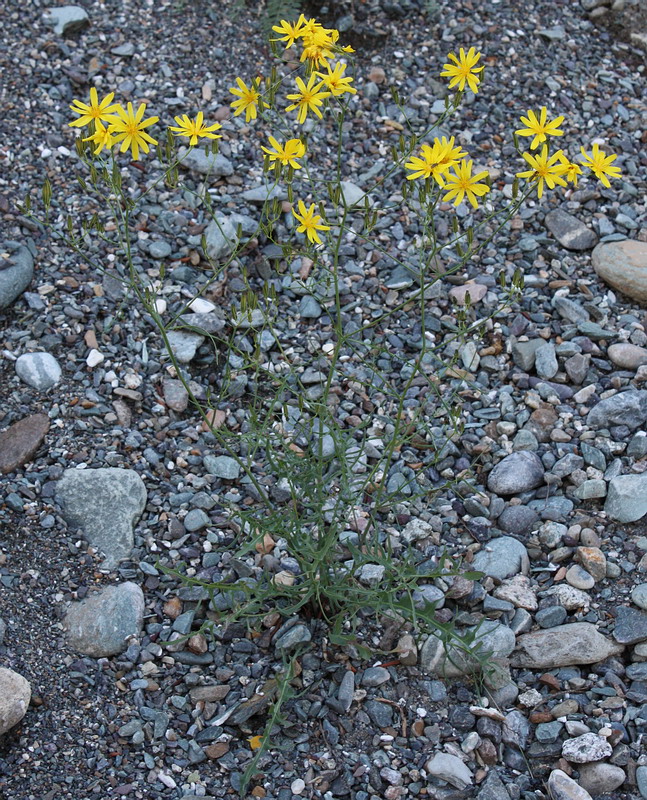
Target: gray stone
x=641 y=780
x=570 y=310
x=563 y=646
x=524 y=353
x=548 y=732
x=631 y=625
x=67 y=19
x=372 y=574
x=375 y=676
x=176 y=396
x=637 y=672
x=160 y=249
x=15 y=694
x=518 y=472
x=546 y=361
x=623 y=265
x=627 y=498
x=346 y=690
x=352 y=194
x=516 y=729
x=223 y=467
x=493 y=788
x=260 y=194
x=518 y=519
x=569 y=231
x=627 y=356
x=590 y=490
x=625 y=408
x=184 y=345
x=216 y=166
x=577 y=367
x=3 y=630
x=16 y=272
x=599 y=778
x=103 y=624
x=562 y=787
x=105 y=503
x=491 y=639
x=451 y=769
x=639 y=595
x=293 y=637
x=221 y=238
x=578 y=577
x=209 y=323
x=637 y=447
x=195 y=520
x=40 y=370
x=309 y=307
x=586 y=748
x=127 y=49
x=502 y=558
x=551 y=617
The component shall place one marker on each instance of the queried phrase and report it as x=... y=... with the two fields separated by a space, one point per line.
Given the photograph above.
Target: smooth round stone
x=223 y=467
x=195 y=520
x=15 y=694
x=16 y=274
x=623 y=265
x=639 y=595
x=502 y=558
x=160 y=249
x=601 y=778
x=518 y=472
x=563 y=787
x=518 y=519
x=40 y=370
x=579 y=578
x=627 y=356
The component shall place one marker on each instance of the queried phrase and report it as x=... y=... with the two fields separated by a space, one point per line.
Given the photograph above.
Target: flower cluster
x=113 y=124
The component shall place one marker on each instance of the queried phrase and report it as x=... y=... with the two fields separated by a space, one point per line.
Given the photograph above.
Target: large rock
x=451 y=769
x=215 y=166
x=625 y=408
x=627 y=498
x=19 y=443
x=502 y=558
x=16 y=271
x=627 y=356
x=563 y=646
x=569 y=231
x=221 y=237
x=15 y=694
x=491 y=639
x=67 y=19
x=39 y=370
x=105 y=503
x=103 y=624
x=599 y=778
x=562 y=787
x=518 y=472
x=586 y=748
x=623 y=265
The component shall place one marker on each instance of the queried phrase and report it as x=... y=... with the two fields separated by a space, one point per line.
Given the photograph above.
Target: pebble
x=221 y=238
x=631 y=625
x=223 y=467
x=20 y=442
x=578 y=577
x=215 y=166
x=15 y=694
x=639 y=595
x=103 y=624
x=546 y=364
x=293 y=637
x=309 y=308
x=184 y=345
x=563 y=787
x=518 y=519
x=623 y=265
x=624 y=408
x=451 y=769
x=551 y=617
x=176 y=396
x=502 y=558
x=476 y=292
x=627 y=498
x=66 y=19
x=39 y=370
x=641 y=780
x=518 y=591
x=105 y=503
x=516 y=473
x=569 y=231
x=627 y=356
x=16 y=273
x=491 y=638
x=586 y=748
x=562 y=646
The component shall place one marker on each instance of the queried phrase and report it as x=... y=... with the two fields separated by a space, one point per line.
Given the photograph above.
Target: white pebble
x=298 y=786
x=94 y=358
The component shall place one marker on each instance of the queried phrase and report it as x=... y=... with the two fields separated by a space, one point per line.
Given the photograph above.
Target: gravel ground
x=555 y=415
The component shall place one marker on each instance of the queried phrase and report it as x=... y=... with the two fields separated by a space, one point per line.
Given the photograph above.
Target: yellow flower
x=290 y=31
x=255 y=742
x=570 y=170
x=97 y=111
x=128 y=128
x=249 y=99
x=544 y=169
x=319 y=44
x=102 y=137
x=309 y=98
x=540 y=127
x=463 y=70
x=310 y=222
x=436 y=160
x=462 y=183
x=285 y=154
x=335 y=81
x=600 y=164
x=194 y=128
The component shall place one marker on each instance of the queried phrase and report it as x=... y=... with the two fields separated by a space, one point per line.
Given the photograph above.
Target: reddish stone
x=19 y=443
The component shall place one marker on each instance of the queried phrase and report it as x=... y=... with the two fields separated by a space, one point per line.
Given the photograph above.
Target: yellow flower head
x=544 y=169
x=435 y=160
x=95 y=110
x=570 y=170
x=463 y=70
x=102 y=137
x=319 y=45
x=310 y=222
x=461 y=182
x=600 y=164
x=285 y=154
x=128 y=128
x=335 y=81
x=249 y=99
x=540 y=127
x=290 y=31
x=308 y=98
x=195 y=128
